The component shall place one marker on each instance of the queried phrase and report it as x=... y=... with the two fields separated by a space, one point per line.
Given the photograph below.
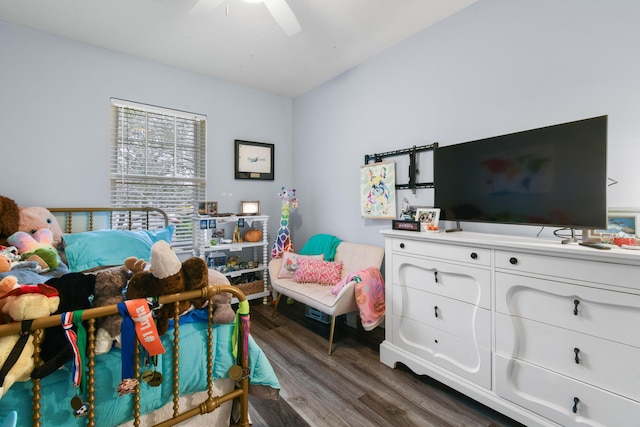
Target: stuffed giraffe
x=283 y=241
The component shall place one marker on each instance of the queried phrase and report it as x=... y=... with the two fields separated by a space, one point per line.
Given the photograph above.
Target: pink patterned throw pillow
x=290 y=263
x=318 y=271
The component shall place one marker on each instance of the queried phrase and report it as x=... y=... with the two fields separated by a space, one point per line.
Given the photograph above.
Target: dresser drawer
x=465 y=254
x=552 y=395
x=469 y=284
x=448 y=315
x=606 y=314
x=577 y=270
x=460 y=356
x=596 y=361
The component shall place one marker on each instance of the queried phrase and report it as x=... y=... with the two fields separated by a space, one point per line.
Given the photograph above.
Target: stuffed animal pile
x=34 y=234
x=168 y=276
x=27 y=219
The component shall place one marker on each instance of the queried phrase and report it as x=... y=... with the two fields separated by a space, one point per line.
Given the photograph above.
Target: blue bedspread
x=111 y=410
x=26 y=274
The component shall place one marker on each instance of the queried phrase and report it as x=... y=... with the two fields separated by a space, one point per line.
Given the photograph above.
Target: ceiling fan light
x=284 y=16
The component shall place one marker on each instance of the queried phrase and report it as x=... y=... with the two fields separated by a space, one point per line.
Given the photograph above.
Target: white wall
x=54 y=118
x=497 y=67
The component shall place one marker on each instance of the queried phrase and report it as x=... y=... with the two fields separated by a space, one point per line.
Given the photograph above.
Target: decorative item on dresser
x=562 y=348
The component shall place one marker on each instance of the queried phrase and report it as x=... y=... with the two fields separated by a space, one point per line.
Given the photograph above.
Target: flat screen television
x=555 y=176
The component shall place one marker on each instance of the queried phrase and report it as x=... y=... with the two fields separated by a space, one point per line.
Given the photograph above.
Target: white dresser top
x=532 y=245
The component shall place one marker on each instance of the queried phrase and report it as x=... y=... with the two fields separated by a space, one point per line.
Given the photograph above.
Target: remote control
x=595 y=245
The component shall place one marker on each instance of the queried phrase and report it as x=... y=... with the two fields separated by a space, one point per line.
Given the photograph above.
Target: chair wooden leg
x=275 y=306
x=333 y=327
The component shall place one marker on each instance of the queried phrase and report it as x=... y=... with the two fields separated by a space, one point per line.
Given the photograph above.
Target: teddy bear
x=24 y=303
x=27 y=219
x=7 y=284
x=222 y=311
x=9 y=218
x=36 y=247
x=75 y=292
x=168 y=275
x=5 y=263
x=11 y=253
x=108 y=290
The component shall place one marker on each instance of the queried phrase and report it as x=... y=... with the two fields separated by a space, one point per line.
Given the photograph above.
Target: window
x=158 y=158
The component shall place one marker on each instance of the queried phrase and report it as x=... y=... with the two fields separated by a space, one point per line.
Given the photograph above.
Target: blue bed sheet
x=27 y=273
x=111 y=410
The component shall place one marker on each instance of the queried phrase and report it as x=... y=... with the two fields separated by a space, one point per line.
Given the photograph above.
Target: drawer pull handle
x=474 y=255
x=577 y=352
x=401 y=245
x=435 y=274
x=435 y=310
x=513 y=260
x=575 y=307
x=575 y=405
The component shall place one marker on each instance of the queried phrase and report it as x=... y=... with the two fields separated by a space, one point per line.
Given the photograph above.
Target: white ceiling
x=239 y=42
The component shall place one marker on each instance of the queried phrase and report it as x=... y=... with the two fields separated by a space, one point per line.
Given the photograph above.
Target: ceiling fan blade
x=284 y=16
x=204 y=6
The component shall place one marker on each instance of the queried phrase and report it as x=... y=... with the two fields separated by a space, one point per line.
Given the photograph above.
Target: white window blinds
x=158 y=158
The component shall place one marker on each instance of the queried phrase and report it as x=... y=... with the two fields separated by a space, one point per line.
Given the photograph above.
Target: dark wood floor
x=351 y=387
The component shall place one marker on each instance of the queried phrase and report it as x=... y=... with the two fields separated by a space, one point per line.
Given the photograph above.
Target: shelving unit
x=259 y=251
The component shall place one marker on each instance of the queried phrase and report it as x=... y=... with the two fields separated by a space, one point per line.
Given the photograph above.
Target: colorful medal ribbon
x=128 y=340
x=145 y=326
x=78 y=342
x=137 y=317
x=242 y=315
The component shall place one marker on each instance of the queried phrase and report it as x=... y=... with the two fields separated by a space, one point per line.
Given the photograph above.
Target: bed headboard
x=73 y=220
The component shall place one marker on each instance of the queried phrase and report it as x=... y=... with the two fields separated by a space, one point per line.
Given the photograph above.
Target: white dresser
x=545 y=333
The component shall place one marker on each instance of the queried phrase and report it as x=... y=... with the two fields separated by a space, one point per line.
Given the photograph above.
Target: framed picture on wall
x=254 y=160
x=378 y=190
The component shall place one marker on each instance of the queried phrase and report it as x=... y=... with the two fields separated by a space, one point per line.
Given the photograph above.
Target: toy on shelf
x=283 y=241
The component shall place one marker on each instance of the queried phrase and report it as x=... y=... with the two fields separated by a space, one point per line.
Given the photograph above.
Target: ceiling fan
x=279 y=9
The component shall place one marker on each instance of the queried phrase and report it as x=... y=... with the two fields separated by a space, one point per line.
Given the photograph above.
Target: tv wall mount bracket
x=413 y=165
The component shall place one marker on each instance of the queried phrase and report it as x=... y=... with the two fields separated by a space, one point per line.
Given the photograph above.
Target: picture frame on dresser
x=428 y=218
x=621 y=220
x=626 y=220
x=250 y=207
x=208 y=208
